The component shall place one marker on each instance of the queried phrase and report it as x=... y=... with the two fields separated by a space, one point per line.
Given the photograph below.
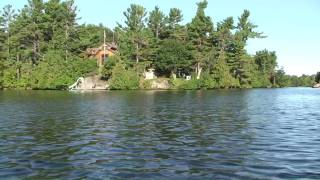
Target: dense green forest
x=42 y=46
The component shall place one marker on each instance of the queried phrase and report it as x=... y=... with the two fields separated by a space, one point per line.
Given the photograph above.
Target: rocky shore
x=316 y=85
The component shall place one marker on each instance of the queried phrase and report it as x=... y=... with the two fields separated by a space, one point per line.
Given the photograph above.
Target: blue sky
x=292 y=26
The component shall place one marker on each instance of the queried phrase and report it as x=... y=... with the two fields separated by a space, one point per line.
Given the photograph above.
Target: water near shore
x=223 y=134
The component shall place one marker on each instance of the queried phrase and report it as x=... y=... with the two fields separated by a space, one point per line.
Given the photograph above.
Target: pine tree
x=2 y=42
x=221 y=73
x=2 y=38
x=266 y=64
x=135 y=25
x=70 y=18
x=175 y=17
x=36 y=23
x=27 y=32
x=317 y=77
x=156 y=22
x=8 y=17
x=172 y=56
x=174 y=29
x=222 y=39
x=238 y=58
x=200 y=30
x=55 y=19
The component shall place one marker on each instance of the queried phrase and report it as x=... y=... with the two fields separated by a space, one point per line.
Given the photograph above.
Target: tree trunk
x=173 y=74
x=34 y=52
x=34 y=48
x=199 y=69
x=157 y=33
x=18 y=68
x=137 y=53
x=8 y=42
x=274 y=80
x=53 y=32
x=66 y=41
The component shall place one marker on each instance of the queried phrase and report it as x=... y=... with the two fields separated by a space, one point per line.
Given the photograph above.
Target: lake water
x=219 y=134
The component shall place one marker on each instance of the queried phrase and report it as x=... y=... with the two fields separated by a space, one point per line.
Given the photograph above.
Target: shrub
x=184 y=84
x=109 y=65
x=206 y=81
x=145 y=84
x=190 y=85
x=1 y=74
x=123 y=79
x=56 y=73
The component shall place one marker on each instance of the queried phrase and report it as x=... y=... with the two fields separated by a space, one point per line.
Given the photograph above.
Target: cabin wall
x=99 y=58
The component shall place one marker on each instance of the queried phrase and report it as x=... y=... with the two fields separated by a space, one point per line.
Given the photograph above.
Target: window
x=104 y=57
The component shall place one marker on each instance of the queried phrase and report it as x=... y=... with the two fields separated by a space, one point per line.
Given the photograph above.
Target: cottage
x=102 y=53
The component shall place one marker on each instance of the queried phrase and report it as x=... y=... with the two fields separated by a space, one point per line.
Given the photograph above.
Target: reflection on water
x=225 y=134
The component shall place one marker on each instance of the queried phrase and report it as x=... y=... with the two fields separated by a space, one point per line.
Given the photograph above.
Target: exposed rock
x=316 y=85
x=160 y=84
x=89 y=83
x=149 y=74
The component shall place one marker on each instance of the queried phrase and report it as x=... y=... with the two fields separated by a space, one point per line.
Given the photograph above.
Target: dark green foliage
x=173 y=28
x=156 y=22
x=109 y=65
x=222 y=76
x=43 y=47
x=266 y=61
x=173 y=56
x=317 y=77
x=282 y=79
x=136 y=35
x=1 y=73
x=89 y=36
x=2 y=49
x=123 y=79
x=199 y=32
x=207 y=81
x=53 y=72
x=174 y=18
x=183 y=84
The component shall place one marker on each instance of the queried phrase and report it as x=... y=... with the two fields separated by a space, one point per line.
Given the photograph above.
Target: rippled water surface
x=222 y=134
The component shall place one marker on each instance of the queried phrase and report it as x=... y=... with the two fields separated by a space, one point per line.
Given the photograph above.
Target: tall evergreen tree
x=2 y=49
x=221 y=73
x=175 y=17
x=43 y=44
x=222 y=39
x=2 y=37
x=238 y=61
x=157 y=24
x=174 y=29
x=55 y=20
x=317 y=77
x=8 y=17
x=36 y=23
x=156 y=21
x=266 y=62
x=200 y=30
x=173 y=56
x=135 y=26
x=70 y=18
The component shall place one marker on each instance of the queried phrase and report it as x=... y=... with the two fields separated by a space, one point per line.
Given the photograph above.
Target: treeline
x=214 y=55
x=42 y=47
